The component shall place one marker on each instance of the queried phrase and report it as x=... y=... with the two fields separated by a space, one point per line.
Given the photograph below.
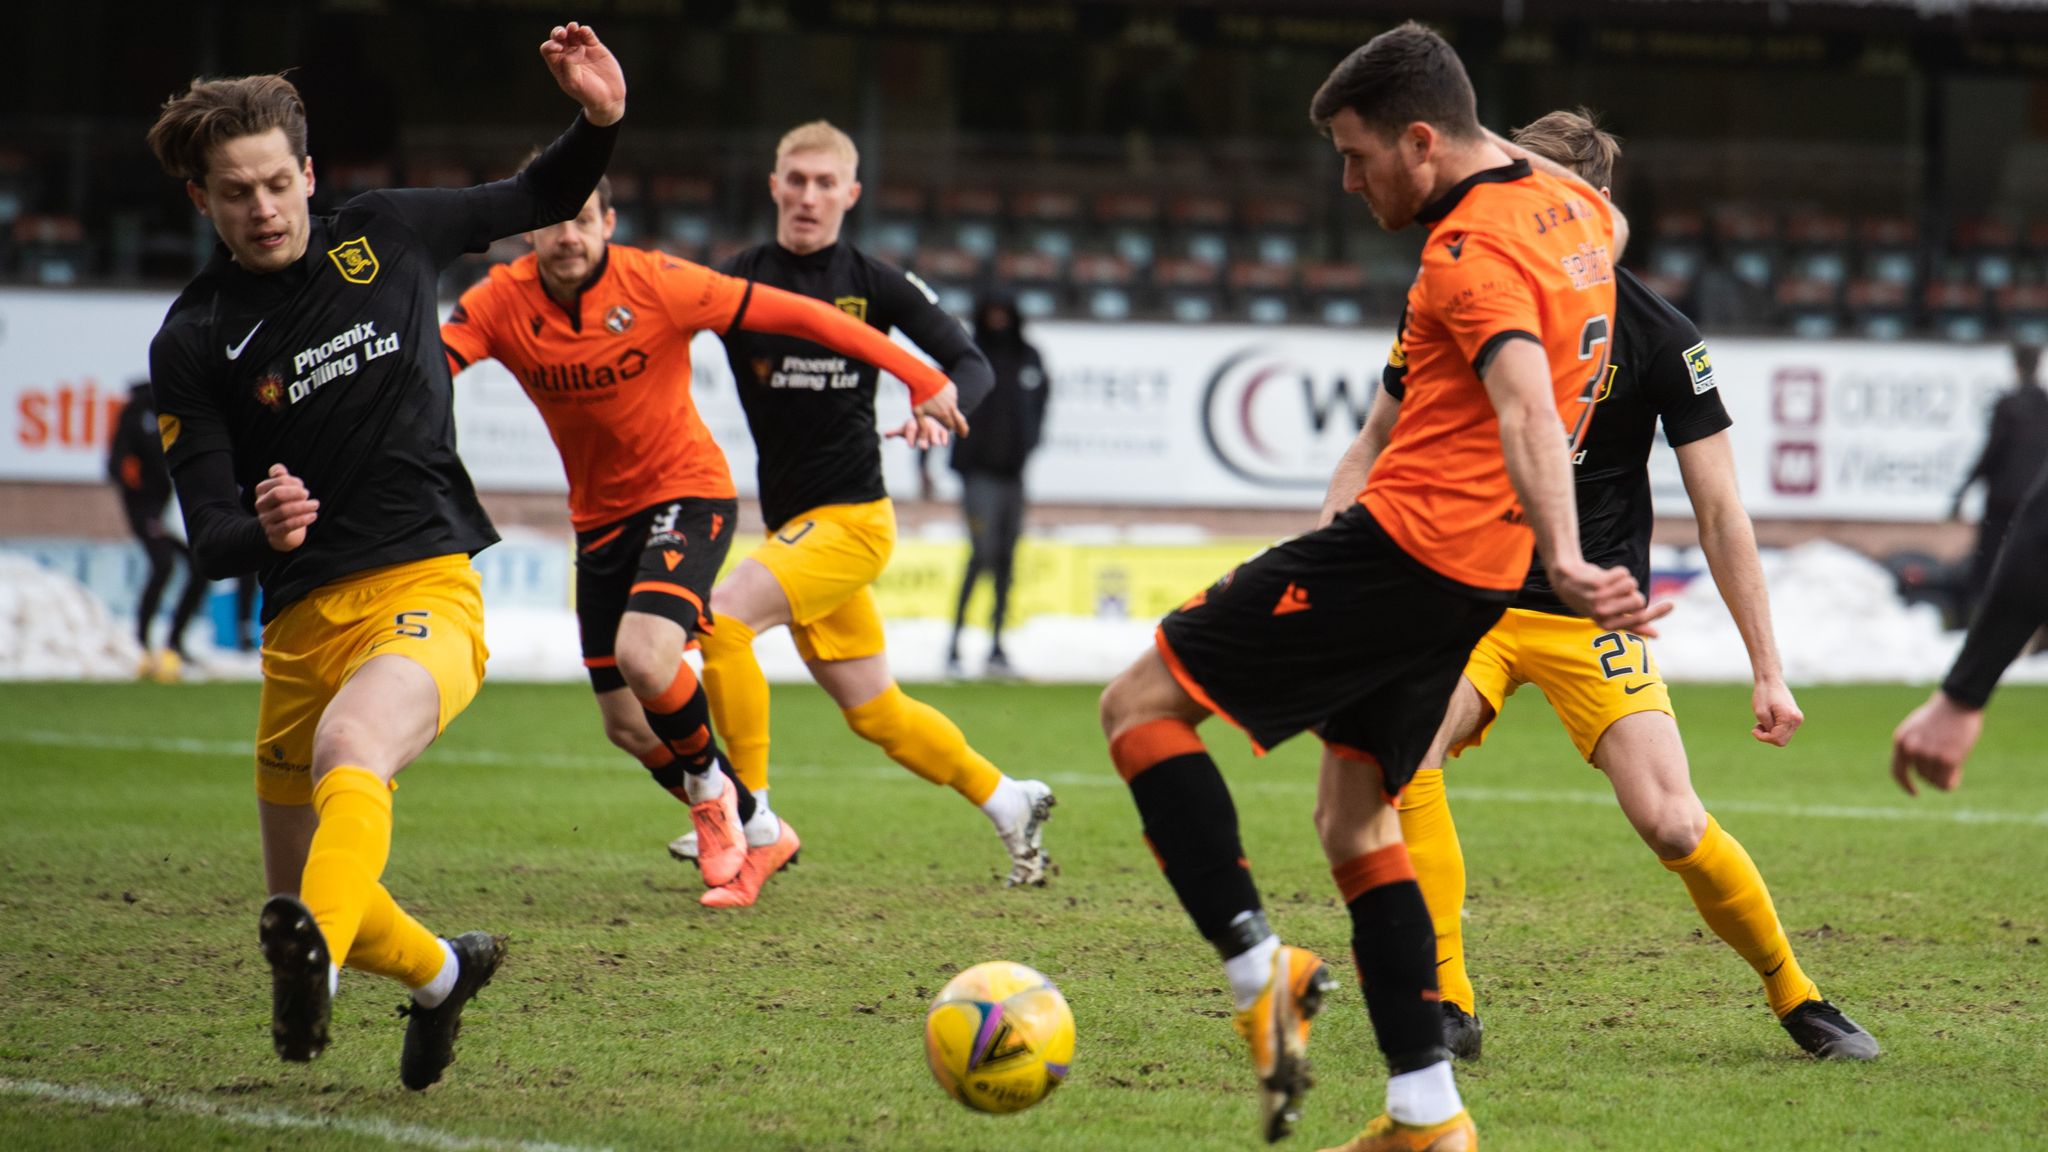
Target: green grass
x=629 y=1017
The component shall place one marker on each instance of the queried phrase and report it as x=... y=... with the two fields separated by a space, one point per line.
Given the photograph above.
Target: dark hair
x=1575 y=140
x=212 y=112
x=604 y=185
x=1398 y=78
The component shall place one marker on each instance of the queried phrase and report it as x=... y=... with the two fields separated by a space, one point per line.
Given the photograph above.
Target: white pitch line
x=1242 y=782
x=274 y=1119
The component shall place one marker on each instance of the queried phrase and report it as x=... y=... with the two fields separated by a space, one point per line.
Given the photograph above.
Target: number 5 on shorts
x=411 y=628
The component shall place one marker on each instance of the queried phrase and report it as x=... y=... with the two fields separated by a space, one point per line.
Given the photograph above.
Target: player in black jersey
x=831 y=527
x=303 y=367
x=1937 y=737
x=1602 y=684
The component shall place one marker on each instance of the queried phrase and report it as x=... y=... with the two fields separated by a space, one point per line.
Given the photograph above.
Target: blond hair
x=1575 y=140
x=818 y=136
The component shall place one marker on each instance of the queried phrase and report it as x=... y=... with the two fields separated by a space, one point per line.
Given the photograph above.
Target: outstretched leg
x=1190 y=824
x=1644 y=759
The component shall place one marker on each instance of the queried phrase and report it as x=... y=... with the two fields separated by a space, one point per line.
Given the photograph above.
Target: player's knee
x=1674 y=828
x=649 y=649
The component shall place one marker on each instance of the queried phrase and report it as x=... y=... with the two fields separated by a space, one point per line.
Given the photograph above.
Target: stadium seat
x=1036 y=278
x=1890 y=247
x=1988 y=247
x=1878 y=309
x=1275 y=228
x=1748 y=239
x=683 y=208
x=1129 y=223
x=51 y=249
x=1048 y=221
x=1263 y=290
x=969 y=220
x=1817 y=246
x=2023 y=312
x=1955 y=310
x=899 y=223
x=1103 y=285
x=1808 y=306
x=1334 y=291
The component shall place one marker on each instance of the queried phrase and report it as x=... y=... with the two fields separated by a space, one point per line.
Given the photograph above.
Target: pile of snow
x=51 y=628
x=1838 y=618
x=1837 y=614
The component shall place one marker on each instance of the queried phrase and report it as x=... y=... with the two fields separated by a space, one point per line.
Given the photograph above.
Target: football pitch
x=134 y=1005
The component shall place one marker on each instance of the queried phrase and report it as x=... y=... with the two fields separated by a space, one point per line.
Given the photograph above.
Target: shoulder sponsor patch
x=1700 y=367
x=854 y=306
x=354 y=260
x=168 y=427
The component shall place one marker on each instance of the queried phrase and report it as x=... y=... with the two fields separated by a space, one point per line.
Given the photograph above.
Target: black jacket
x=1006 y=427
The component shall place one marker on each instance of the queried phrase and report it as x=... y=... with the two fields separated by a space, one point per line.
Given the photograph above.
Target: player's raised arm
x=554 y=185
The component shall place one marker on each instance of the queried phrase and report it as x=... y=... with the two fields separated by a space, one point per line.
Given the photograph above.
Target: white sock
x=1425 y=1096
x=333 y=980
x=433 y=992
x=702 y=786
x=1007 y=807
x=1249 y=971
x=760 y=799
x=765 y=828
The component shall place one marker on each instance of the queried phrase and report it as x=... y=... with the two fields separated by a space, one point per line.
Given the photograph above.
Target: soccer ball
x=999 y=1037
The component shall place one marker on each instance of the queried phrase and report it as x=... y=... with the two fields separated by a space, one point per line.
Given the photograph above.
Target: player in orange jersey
x=599 y=336
x=1359 y=630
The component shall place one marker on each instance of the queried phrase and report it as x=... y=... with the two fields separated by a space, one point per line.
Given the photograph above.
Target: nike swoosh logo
x=235 y=350
x=1632 y=689
x=1774 y=971
x=1456 y=249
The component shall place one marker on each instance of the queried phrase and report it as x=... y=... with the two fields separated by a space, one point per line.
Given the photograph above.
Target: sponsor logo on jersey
x=618 y=320
x=1700 y=368
x=854 y=306
x=167 y=426
x=354 y=260
x=270 y=391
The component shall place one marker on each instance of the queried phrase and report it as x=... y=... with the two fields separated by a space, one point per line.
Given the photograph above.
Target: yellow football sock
x=917 y=736
x=1440 y=870
x=350 y=848
x=739 y=699
x=391 y=943
x=1732 y=899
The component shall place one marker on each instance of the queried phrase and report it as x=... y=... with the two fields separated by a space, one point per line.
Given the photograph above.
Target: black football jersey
x=334 y=368
x=1659 y=370
x=811 y=409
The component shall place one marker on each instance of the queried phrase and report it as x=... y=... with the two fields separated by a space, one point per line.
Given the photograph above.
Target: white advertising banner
x=1142 y=414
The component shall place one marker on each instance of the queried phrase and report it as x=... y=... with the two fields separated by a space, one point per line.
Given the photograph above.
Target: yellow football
x=999 y=1037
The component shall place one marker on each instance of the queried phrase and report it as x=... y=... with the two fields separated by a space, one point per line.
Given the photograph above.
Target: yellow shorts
x=1592 y=677
x=824 y=560
x=429 y=611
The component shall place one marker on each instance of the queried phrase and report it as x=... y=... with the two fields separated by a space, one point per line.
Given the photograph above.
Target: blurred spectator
x=990 y=461
x=2013 y=453
x=135 y=462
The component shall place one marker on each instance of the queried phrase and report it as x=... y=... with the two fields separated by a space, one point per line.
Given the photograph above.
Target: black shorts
x=1338 y=631
x=660 y=560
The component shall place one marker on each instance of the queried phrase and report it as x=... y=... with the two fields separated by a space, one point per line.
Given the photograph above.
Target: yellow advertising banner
x=1056 y=578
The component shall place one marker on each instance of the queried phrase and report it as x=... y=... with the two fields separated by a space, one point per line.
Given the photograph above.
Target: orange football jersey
x=611 y=376
x=1512 y=254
